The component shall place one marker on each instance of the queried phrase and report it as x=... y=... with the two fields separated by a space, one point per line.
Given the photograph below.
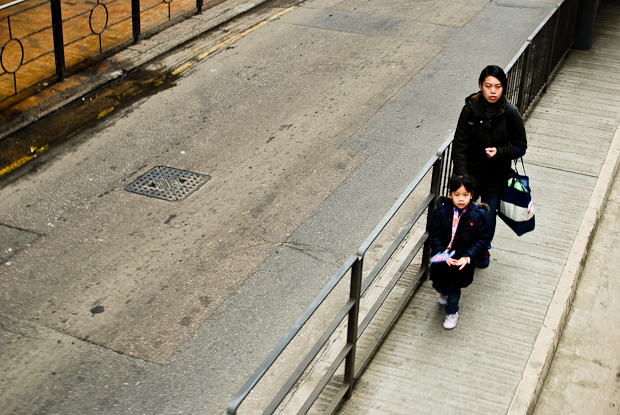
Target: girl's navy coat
x=471 y=238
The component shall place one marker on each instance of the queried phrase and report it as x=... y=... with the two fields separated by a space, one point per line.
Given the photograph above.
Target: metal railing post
x=522 y=80
x=585 y=25
x=356 y=286
x=199 y=6
x=435 y=189
x=59 y=44
x=135 y=20
x=552 y=48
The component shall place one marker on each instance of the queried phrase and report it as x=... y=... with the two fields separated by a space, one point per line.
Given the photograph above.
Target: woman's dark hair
x=461 y=180
x=495 y=71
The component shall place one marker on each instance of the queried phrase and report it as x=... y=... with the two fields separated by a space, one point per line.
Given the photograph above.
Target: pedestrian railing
x=539 y=57
x=329 y=368
x=42 y=39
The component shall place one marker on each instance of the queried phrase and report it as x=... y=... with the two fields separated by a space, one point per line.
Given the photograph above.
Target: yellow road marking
x=181 y=68
x=231 y=40
x=22 y=161
x=105 y=112
x=234 y=38
x=275 y=16
x=195 y=51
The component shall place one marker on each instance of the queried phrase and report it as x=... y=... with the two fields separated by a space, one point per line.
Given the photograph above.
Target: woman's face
x=492 y=89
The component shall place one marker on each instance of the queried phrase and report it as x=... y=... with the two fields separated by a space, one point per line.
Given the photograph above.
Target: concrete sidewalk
x=583 y=377
x=585 y=368
x=496 y=360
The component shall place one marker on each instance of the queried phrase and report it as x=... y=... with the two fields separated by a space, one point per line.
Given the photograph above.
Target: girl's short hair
x=495 y=71
x=461 y=180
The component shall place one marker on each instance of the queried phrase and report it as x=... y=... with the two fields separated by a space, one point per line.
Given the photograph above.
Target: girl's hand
x=491 y=151
x=461 y=262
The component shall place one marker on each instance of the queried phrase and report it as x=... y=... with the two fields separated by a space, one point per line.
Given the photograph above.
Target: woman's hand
x=461 y=262
x=491 y=151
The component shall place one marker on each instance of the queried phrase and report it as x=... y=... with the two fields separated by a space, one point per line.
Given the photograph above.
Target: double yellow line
x=231 y=40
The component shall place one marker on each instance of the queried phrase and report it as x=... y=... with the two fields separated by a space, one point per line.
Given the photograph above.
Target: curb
x=62 y=93
x=537 y=367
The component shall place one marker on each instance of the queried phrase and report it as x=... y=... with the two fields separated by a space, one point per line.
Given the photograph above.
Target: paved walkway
x=495 y=360
x=583 y=377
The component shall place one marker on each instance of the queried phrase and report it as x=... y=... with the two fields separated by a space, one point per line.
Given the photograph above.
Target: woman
x=489 y=135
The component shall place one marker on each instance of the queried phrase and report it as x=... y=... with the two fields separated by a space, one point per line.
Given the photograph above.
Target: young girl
x=457 y=234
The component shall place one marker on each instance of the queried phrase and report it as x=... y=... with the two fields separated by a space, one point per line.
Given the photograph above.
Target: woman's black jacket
x=475 y=132
x=471 y=238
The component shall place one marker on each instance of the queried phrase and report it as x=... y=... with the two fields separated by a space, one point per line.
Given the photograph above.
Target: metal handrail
x=533 y=75
x=395 y=207
x=388 y=254
x=530 y=76
x=290 y=334
x=435 y=162
x=380 y=266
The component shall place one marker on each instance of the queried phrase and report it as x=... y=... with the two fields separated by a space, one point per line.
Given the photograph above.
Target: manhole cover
x=167 y=183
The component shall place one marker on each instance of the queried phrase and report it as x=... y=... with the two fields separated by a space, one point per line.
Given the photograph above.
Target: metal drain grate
x=167 y=183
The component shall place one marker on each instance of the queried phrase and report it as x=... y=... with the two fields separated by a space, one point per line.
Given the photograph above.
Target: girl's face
x=461 y=197
x=492 y=89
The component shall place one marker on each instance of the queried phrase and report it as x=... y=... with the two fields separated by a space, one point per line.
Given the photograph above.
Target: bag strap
x=522 y=165
x=509 y=115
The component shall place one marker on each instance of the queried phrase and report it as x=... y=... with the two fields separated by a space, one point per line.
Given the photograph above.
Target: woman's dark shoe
x=483 y=260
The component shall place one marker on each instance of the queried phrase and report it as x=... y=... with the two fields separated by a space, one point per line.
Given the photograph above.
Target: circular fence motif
x=98 y=19
x=11 y=51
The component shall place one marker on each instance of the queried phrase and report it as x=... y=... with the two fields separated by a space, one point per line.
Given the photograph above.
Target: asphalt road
x=309 y=126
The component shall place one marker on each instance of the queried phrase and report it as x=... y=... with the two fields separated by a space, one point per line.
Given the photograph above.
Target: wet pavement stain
x=97 y=310
x=170 y=219
x=88 y=112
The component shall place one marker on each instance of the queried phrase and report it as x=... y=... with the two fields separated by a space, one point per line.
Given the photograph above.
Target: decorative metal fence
x=42 y=39
x=528 y=74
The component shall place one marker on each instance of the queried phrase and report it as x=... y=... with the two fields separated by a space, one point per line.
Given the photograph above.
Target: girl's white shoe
x=451 y=320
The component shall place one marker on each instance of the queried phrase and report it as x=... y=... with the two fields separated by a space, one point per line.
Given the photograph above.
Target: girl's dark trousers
x=448 y=280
